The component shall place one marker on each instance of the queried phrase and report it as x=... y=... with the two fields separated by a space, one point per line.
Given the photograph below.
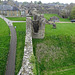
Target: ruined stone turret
x=34 y=29
x=38 y=26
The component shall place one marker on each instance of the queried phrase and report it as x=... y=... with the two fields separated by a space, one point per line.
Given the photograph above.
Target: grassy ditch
x=56 y=51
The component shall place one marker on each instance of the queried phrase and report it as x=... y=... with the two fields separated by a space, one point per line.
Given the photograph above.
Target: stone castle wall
x=26 y=68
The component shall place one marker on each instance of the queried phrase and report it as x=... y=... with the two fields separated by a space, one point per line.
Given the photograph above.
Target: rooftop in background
x=8 y=8
x=49 y=1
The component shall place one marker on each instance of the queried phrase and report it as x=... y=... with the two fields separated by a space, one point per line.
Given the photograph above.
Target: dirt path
x=10 y=69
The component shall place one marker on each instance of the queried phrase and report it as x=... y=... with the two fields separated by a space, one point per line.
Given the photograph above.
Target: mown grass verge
x=4 y=45
x=21 y=31
x=56 y=51
x=17 y=18
x=47 y=16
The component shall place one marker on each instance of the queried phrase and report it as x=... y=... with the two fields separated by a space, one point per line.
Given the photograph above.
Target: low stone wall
x=26 y=68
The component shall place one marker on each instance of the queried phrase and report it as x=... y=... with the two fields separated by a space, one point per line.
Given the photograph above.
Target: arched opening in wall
x=35 y=26
x=63 y=17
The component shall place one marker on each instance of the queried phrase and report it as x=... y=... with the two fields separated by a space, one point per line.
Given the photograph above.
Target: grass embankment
x=55 y=54
x=47 y=16
x=21 y=31
x=17 y=18
x=4 y=45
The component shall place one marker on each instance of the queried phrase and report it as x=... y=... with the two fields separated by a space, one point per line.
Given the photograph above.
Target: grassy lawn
x=55 y=54
x=4 y=45
x=17 y=18
x=47 y=16
x=20 y=29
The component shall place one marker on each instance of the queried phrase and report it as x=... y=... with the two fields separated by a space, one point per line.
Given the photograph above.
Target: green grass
x=32 y=61
x=4 y=45
x=61 y=29
x=17 y=18
x=20 y=30
x=56 y=50
x=47 y=16
x=62 y=71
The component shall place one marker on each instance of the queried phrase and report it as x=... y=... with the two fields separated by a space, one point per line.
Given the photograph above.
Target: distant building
x=23 y=11
x=9 y=11
x=12 y=8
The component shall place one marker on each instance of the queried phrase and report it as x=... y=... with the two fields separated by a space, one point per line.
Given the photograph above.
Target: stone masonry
x=38 y=26
x=34 y=29
x=26 y=68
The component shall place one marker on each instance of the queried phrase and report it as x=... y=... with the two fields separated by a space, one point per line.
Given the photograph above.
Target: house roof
x=8 y=8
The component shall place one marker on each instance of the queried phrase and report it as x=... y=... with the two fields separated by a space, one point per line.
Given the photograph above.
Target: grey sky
x=47 y=1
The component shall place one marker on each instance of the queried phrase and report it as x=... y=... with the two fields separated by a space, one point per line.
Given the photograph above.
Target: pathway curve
x=10 y=69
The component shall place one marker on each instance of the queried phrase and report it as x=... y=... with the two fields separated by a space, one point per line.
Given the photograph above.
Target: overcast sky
x=49 y=1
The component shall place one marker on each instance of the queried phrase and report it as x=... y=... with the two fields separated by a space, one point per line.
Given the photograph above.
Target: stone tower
x=38 y=26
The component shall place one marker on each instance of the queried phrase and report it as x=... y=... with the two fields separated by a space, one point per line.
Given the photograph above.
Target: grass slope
x=17 y=18
x=20 y=30
x=47 y=16
x=62 y=71
x=4 y=45
x=56 y=50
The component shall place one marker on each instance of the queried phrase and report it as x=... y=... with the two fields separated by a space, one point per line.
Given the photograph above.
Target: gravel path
x=10 y=69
